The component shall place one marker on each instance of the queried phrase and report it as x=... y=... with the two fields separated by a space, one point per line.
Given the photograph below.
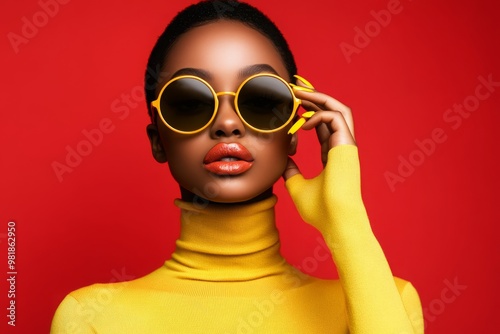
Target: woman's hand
x=323 y=200
x=332 y=120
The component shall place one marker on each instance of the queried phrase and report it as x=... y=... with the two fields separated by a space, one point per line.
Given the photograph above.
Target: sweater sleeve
x=332 y=203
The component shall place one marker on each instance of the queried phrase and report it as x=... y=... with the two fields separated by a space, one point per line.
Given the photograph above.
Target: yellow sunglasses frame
x=155 y=105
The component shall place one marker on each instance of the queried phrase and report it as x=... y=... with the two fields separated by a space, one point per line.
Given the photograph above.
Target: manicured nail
x=296 y=126
x=308 y=114
x=304 y=81
x=302 y=89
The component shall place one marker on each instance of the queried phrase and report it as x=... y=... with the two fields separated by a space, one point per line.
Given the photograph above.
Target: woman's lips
x=228 y=159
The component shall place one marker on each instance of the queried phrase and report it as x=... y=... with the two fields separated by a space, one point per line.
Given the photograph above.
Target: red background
x=114 y=213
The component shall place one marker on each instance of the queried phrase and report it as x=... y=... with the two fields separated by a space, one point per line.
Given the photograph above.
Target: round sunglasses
x=264 y=102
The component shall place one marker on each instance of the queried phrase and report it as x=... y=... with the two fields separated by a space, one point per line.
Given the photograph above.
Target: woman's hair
x=206 y=12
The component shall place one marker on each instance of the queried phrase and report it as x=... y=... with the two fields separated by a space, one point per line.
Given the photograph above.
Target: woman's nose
x=227 y=123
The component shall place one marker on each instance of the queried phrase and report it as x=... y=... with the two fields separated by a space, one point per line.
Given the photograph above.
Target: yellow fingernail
x=308 y=114
x=304 y=81
x=296 y=126
x=302 y=89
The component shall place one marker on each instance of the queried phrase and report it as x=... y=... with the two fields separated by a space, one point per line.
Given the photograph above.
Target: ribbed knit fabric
x=228 y=276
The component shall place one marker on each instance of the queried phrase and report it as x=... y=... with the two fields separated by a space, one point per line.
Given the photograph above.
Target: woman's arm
x=332 y=203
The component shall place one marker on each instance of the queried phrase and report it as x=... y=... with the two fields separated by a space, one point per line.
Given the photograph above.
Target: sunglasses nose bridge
x=225 y=93
x=227 y=121
x=219 y=94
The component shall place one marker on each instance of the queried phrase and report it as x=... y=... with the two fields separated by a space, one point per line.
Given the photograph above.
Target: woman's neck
x=188 y=196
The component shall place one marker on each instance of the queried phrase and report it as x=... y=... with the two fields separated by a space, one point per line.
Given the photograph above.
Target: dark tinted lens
x=265 y=102
x=187 y=104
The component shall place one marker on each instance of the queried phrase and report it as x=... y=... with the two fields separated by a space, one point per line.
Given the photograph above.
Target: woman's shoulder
x=99 y=291
x=84 y=307
x=121 y=283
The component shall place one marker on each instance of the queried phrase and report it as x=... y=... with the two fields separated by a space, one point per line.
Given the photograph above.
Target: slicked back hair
x=205 y=12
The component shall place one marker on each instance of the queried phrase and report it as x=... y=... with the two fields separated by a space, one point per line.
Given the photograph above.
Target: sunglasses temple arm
x=153 y=113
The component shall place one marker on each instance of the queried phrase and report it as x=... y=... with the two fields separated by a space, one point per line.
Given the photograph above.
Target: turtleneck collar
x=221 y=242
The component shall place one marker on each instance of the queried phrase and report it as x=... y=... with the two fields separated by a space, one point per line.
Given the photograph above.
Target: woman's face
x=213 y=163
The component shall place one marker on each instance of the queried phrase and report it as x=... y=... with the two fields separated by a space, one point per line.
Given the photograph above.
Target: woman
x=225 y=119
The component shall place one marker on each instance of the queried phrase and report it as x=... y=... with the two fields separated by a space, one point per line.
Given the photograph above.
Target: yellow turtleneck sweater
x=228 y=276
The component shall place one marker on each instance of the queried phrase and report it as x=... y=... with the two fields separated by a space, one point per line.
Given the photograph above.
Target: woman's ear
x=156 y=146
x=292 y=148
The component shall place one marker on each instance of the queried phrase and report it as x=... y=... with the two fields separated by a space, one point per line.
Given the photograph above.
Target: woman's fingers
x=332 y=120
x=332 y=128
x=319 y=101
